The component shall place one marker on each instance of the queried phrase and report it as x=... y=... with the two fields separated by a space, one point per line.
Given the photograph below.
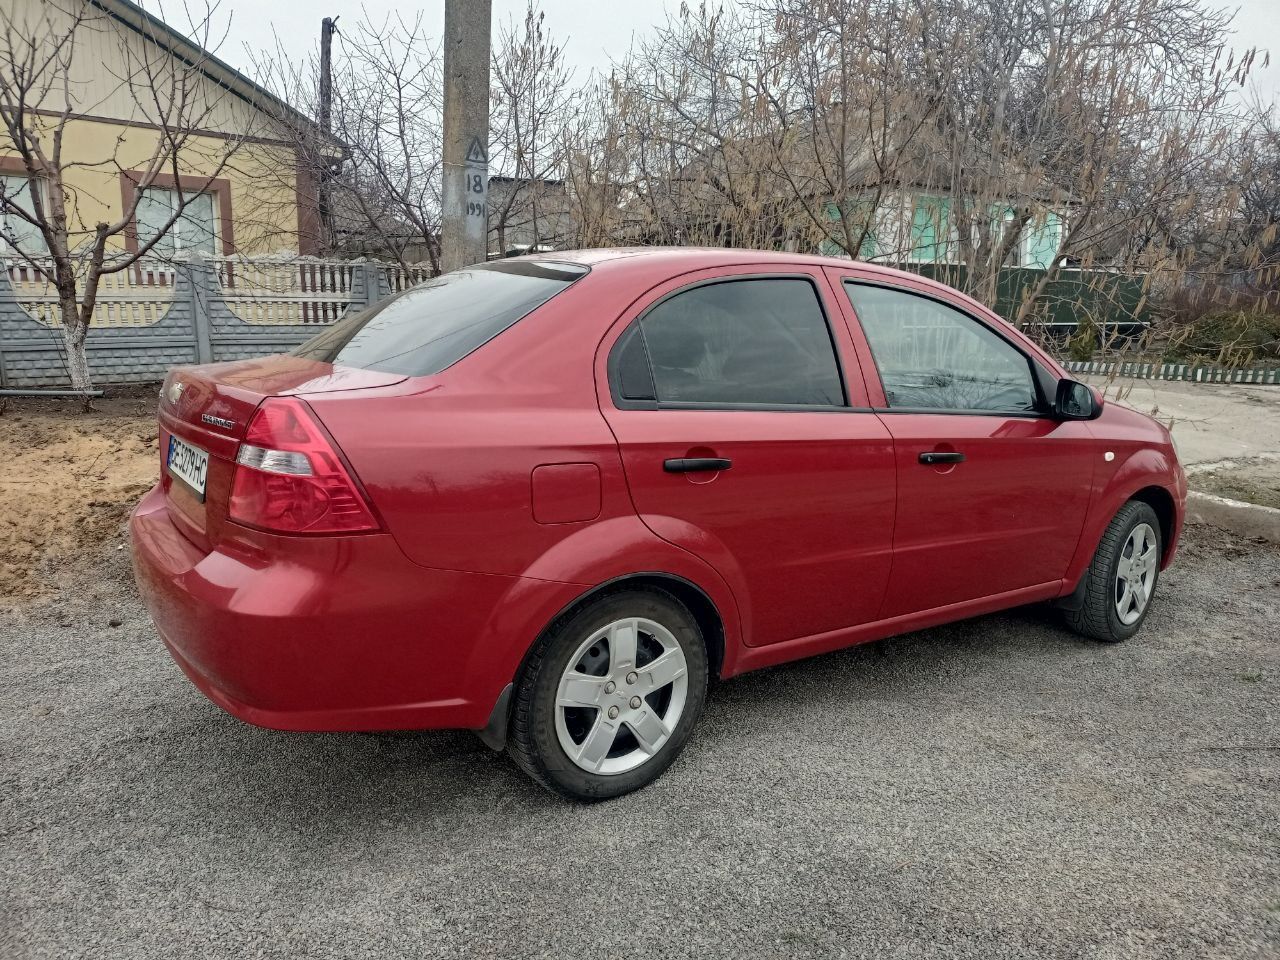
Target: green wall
x=1075 y=300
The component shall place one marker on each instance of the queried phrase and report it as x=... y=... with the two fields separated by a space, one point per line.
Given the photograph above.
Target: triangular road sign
x=476 y=153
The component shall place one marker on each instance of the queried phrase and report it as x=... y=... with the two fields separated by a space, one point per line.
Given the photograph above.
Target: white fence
x=137 y=296
x=269 y=291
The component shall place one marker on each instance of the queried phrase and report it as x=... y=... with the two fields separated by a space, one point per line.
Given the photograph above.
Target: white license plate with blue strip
x=189 y=464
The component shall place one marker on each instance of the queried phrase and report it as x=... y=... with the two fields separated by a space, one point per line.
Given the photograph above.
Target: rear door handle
x=941 y=456
x=692 y=464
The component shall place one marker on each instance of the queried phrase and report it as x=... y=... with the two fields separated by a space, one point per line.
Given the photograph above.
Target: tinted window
x=741 y=341
x=931 y=356
x=437 y=323
x=635 y=379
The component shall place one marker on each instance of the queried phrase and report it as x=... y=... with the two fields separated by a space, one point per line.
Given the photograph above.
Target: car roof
x=684 y=259
x=653 y=264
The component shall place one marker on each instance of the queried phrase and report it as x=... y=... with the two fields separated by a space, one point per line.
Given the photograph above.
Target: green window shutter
x=864 y=209
x=1043 y=240
x=930 y=228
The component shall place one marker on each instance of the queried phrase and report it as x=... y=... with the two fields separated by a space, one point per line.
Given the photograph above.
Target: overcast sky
x=594 y=30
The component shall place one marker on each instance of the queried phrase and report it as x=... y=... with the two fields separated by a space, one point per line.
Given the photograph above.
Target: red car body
x=509 y=486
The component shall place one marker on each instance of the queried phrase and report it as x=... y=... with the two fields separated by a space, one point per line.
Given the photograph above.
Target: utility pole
x=328 y=26
x=464 y=222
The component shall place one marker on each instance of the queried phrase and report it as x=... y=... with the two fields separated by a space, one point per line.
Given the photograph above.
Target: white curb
x=1246 y=519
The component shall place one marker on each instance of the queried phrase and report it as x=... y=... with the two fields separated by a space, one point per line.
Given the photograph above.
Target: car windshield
x=433 y=325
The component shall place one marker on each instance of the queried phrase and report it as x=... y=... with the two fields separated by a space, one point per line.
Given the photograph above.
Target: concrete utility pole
x=328 y=26
x=464 y=224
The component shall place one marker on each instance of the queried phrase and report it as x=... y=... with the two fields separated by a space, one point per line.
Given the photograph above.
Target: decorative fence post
x=368 y=285
x=197 y=282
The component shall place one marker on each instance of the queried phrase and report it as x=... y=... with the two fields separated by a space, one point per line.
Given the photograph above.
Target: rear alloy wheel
x=610 y=696
x=1122 y=578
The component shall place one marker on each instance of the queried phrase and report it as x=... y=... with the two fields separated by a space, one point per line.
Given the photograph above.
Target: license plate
x=189 y=464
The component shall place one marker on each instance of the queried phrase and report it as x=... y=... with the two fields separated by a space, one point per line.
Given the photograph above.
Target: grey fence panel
x=32 y=353
x=154 y=318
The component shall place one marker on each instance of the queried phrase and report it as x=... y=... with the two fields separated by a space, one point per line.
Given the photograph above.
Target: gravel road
x=997 y=788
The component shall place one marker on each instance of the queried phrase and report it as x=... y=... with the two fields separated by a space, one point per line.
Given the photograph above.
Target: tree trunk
x=74 y=333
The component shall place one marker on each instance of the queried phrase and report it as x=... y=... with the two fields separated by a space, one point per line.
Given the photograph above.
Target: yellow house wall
x=111 y=94
x=261 y=177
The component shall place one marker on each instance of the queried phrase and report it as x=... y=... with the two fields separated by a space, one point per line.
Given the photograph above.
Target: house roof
x=221 y=73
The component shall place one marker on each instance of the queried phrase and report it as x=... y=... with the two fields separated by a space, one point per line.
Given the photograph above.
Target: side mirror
x=1075 y=401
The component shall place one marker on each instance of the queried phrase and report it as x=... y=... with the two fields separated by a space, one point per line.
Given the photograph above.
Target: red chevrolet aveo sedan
x=549 y=499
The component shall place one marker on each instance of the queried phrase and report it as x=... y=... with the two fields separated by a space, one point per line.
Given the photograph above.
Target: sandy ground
x=67 y=481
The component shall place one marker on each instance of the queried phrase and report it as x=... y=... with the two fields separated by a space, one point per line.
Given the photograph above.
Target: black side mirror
x=1075 y=401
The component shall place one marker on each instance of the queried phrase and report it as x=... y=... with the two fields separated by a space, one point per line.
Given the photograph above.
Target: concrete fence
x=1175 y=371
x=154 y=315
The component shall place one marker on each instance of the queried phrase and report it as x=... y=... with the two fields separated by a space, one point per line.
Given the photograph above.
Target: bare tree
x=531 y=104
x=381 y=162
x=48 y=79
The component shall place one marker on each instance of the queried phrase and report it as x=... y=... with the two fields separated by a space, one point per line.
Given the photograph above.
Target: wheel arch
x=1147 y=476
x=1162 y=503
x=710 y=620
x=708 y=616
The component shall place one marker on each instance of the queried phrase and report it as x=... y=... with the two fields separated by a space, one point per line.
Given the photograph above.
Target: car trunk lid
x=204 y=413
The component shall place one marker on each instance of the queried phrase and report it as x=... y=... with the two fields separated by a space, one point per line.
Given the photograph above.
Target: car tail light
x=290 y=479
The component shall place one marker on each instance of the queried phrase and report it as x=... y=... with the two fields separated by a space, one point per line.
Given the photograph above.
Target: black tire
x=1098 y=617
x=533 y=741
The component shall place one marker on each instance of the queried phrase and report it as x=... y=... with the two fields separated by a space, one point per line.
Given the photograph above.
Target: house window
x=194 y=230
x=15 y=230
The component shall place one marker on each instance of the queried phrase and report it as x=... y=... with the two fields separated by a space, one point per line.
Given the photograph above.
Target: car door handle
x=941 y=456
x=691 y=464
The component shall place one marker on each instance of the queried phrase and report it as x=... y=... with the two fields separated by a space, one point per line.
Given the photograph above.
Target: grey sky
x=594 y=30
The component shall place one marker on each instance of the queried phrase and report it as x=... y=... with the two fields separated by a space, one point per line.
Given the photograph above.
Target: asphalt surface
x=997 y=788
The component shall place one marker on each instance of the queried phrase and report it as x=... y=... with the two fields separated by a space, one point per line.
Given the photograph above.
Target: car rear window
x=437 y=323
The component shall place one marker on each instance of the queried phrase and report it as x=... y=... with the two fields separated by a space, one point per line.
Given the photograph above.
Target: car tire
x=1113 y=584
x=638 y=656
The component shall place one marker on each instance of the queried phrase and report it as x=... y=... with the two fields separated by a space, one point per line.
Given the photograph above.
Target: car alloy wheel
x=621 y=696
x=1114 y=596
x=1136 y=573
x=610 y=694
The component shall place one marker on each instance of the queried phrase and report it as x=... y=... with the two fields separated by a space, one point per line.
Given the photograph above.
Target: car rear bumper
x=334 y=633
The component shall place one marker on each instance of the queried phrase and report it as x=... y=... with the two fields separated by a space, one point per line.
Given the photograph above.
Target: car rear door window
x=933 y=357
x=733 y=343
x=437 y=323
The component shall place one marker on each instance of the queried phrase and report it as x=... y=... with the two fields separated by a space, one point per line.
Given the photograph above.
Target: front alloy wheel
x=1122 y=577
x=1136 y=573
x=610 y=695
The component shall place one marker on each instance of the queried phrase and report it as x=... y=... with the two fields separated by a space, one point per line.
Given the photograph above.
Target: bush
x=1231 y=337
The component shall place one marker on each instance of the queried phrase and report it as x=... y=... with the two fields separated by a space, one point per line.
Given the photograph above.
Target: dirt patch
x=1253 y=483
x=68 y=480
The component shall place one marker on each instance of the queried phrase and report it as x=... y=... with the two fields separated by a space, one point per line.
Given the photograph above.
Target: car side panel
x=1006 y=518
x=1142 y=459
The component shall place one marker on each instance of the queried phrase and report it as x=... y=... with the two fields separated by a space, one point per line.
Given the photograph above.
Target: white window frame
x=6 y=248
x=174 y=231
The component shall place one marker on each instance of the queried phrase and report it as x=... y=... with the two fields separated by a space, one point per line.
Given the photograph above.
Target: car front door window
x=933 y=357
